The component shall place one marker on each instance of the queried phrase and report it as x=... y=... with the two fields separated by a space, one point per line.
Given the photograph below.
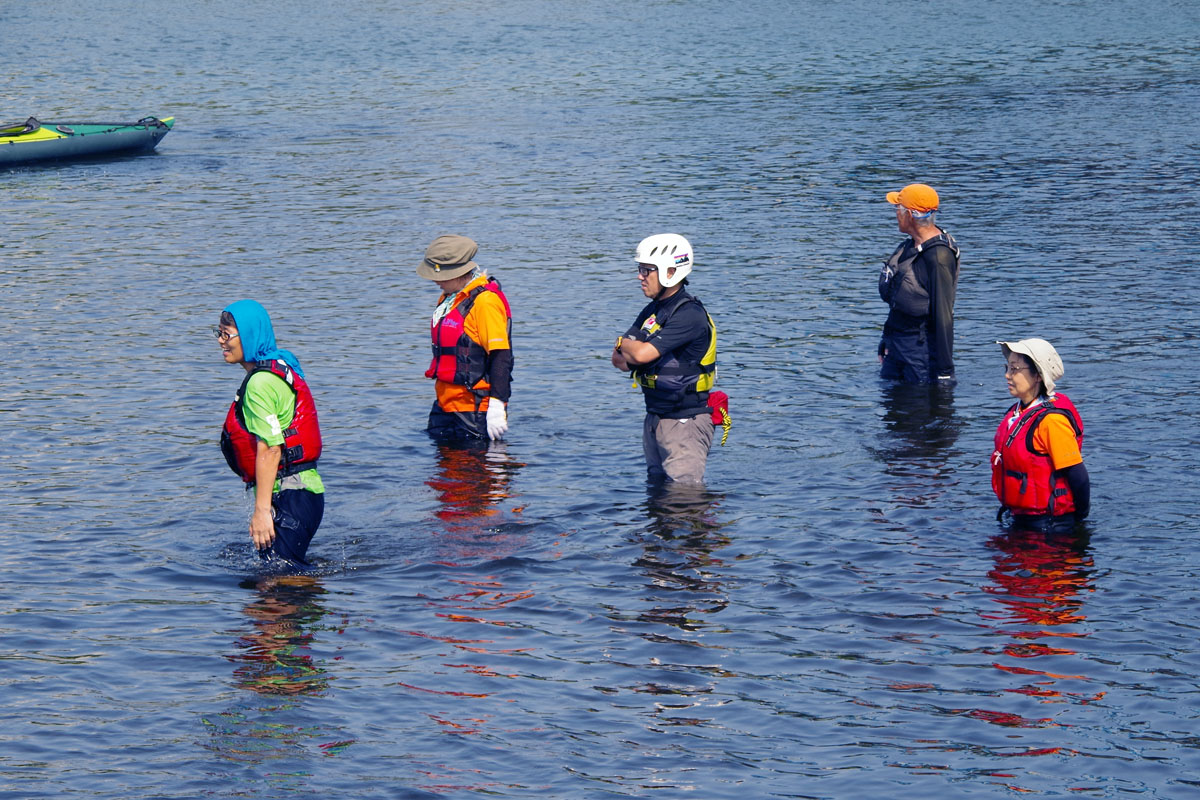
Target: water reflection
x=472 y=479
x=1040 y=582
x=684 y=590
x=275 y=656
x=919 y=422
x=919 y=429
x=274 y=661
x=465 y=654
x=682 y=535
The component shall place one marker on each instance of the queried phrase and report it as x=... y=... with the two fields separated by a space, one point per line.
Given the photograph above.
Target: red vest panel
x=301 y=441
x=457 y=358
x=1023 y=478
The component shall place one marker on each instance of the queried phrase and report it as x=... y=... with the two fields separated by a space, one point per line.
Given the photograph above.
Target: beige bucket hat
x=1044 y=357
x=448 y=257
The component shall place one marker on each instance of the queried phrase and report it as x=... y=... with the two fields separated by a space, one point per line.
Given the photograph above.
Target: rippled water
x=836 y=616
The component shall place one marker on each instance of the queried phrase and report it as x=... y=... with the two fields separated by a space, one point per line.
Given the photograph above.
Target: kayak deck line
x=34 y=140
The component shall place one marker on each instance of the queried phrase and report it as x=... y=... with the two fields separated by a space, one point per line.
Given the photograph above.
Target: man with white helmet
x=671 y=349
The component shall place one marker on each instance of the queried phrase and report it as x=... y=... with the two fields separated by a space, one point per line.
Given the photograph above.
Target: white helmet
x=666 y=250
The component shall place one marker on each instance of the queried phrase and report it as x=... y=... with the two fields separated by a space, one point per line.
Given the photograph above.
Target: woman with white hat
x=1037 y=468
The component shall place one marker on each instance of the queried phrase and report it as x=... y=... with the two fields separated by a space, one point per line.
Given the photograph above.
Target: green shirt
x=268 y=408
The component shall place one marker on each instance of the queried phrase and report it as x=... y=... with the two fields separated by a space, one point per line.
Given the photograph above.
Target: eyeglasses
x=222 y=336
x=1009 y=369
x=644 y=270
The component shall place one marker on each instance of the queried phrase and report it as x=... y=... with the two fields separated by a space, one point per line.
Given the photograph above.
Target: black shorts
x=456 y=425
x=297 y=514
x=1044 y=523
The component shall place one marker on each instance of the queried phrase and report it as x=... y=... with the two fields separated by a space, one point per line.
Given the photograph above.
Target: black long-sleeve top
x=940 y=280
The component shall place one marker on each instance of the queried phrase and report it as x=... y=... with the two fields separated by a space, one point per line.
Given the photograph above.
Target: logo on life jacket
x=669 y=375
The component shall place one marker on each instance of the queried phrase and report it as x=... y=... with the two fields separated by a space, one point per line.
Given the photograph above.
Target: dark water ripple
x=836 y=616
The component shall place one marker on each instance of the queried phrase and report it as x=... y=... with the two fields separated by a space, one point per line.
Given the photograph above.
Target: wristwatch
x=617 y=346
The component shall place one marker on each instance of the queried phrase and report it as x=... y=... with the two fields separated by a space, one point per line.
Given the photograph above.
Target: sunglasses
x=644 y=270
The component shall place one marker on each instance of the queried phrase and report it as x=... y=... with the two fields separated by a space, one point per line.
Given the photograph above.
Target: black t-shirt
x=686 y=337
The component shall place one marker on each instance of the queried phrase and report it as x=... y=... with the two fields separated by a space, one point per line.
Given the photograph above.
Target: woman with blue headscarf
x=271 y=438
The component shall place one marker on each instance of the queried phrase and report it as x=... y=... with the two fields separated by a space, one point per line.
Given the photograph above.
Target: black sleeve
x=500 y=367
x=1081 y=488
x=687 y=324
x=939 y=262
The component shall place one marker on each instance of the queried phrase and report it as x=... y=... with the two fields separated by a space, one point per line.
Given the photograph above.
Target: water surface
x=835 y=615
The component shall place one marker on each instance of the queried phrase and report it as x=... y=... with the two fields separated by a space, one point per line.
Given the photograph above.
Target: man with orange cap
x=918 y=281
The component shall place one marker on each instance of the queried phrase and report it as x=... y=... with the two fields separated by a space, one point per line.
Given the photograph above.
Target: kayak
x=32 y=140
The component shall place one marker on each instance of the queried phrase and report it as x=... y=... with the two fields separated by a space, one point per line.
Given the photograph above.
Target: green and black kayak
x=32 y=140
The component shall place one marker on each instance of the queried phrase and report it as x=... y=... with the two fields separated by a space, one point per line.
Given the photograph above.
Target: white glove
x=497 y=419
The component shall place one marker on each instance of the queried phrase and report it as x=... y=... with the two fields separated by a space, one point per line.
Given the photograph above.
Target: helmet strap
x=667 y=291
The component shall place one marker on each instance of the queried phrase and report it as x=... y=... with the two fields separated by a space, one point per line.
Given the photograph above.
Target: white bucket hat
x=1044 y=357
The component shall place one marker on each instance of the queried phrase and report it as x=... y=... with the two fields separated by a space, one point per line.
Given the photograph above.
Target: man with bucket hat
x=918 y=281
x=470 y=333
x=1037 y=467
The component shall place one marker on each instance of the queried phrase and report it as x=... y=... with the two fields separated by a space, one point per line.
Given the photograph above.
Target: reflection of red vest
x=1023 y=479
x=457 y=358
x=301 y=441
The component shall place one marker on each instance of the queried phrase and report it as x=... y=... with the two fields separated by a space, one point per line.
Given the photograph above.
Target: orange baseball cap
x=915 y=197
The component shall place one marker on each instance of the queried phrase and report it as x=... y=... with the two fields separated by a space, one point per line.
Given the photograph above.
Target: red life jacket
x=457 y=358
x=301 y=441
x=1024 y=479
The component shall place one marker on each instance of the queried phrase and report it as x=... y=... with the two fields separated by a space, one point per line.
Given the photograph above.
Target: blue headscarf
x=257 y=335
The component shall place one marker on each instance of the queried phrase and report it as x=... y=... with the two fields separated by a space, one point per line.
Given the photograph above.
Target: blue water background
x=836 y=616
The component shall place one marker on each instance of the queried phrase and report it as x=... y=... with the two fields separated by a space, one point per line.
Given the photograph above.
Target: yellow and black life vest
x=672 y=378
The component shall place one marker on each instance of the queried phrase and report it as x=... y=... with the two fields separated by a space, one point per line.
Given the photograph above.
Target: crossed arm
x=631 y=353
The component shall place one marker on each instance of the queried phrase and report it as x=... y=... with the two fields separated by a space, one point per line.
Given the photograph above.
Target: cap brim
x=893 y=197
x=1017 y=347
x=445 y=273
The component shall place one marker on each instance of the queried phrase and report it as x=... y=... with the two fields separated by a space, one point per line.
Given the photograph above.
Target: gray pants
x=677 y=449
